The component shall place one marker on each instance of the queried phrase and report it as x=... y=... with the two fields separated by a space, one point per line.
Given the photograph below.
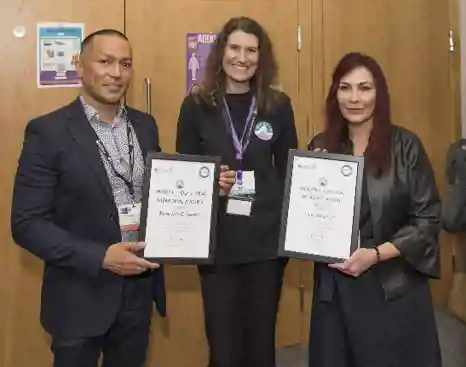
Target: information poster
x=198 y=47
x=58 y=47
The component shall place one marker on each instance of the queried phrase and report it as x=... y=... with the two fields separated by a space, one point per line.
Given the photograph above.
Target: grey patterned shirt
x=115 y=140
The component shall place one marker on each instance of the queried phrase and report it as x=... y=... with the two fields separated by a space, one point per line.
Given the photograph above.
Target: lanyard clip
x=239 y=177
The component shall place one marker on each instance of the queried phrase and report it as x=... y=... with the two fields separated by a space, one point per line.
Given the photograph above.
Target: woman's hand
x=227 y=180
x=359 y=262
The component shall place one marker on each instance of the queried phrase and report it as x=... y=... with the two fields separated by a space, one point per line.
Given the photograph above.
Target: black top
x=203 y=131
x=331 y=279
x=239 y=109
x=366 y=229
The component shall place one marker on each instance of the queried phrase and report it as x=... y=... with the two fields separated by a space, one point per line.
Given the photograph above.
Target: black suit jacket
x=64 y=212
x=454 y=208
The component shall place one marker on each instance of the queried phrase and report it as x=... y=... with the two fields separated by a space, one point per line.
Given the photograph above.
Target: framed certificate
x=322 y=200
x=179 y=208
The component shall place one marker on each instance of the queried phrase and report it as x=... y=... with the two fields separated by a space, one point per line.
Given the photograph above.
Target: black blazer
x=64 y=212
x=405 y=210
x=454 y=208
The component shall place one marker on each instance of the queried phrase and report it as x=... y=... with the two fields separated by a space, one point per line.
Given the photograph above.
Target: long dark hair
x=213 y=87
x=378 y=151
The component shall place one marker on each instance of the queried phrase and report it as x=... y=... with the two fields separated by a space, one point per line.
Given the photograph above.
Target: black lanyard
x=104 y=151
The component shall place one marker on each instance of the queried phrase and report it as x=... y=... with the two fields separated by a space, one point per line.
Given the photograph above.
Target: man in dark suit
x=76 y=206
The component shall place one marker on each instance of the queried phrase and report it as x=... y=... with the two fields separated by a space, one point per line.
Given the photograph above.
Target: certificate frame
x=146 y=191
x=354 y=240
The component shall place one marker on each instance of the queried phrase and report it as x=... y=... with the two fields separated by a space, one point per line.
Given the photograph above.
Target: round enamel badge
x=263 y=130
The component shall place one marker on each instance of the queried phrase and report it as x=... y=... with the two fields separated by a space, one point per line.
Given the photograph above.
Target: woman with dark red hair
x=375 y=309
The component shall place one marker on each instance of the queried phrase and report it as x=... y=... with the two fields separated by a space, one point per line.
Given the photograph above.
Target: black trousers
x=359 y=328
x=240 y=309
x=124 y=345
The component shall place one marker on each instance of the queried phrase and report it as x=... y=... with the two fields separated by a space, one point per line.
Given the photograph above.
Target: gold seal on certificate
x=179 y=208
x=322 y=199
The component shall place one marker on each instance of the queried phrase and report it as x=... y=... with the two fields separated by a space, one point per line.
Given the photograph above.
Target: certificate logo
x=204 y=172
x=307 y=166
x=163 y=169
x=322 y=181
x=264 y=130
x=179 y=184
x=346 y=170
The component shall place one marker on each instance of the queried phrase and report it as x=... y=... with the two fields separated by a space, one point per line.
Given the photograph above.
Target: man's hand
x=227 y=180
x=120 y=259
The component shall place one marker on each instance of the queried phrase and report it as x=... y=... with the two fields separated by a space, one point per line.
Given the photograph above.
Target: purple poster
x=197 y=50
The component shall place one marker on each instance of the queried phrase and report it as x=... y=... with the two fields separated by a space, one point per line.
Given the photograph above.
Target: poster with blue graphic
x=58 y=47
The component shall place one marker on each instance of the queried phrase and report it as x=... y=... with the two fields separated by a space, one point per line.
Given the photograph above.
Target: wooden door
x=157 y=31
x=22 y=340
x=410 y=41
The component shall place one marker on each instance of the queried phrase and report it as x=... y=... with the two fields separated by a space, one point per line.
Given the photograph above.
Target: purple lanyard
x=240 y=145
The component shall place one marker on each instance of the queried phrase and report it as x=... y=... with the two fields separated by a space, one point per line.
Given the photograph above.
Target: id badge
x=129 y=216
x=241 y=196
x=239 y=207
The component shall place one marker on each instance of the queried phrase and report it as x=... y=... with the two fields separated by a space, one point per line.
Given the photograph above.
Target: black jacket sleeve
x=287 y=138
x=158 y=148
x=32 y=223
x=417 y=240
x=454 y=208
x=316 y=142
x=188 y=140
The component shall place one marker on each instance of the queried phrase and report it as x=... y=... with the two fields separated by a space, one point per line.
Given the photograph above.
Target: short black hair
x=102 y=32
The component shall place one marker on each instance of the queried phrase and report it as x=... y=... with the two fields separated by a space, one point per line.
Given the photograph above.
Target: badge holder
x=239 y=206
x=242 y=195
x=129 y=216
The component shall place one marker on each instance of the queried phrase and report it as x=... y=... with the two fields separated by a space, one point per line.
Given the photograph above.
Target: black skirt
x=357 y=327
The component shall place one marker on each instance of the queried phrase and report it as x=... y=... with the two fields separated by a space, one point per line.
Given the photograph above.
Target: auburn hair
x=378 y=152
